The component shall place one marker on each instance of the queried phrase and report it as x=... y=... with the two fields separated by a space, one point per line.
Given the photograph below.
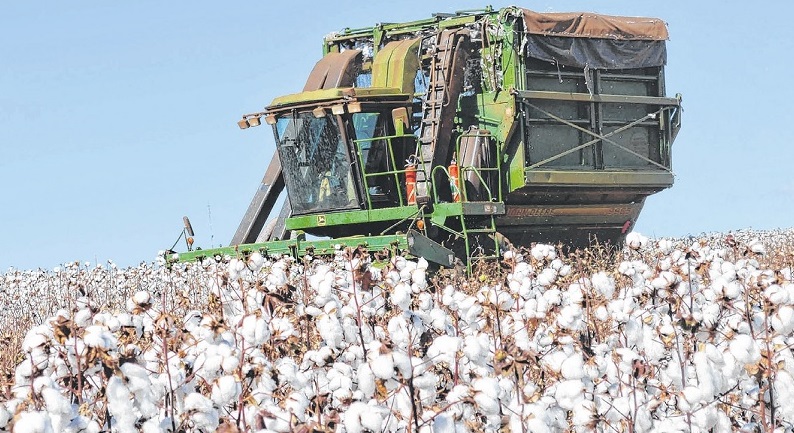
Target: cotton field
x=687 y=335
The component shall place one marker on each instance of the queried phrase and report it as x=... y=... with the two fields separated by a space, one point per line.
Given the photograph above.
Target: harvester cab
x=444 y=137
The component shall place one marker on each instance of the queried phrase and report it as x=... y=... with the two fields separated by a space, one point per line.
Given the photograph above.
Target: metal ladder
x=437 y=115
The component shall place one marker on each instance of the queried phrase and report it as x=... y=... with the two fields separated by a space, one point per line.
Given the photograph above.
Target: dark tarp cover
x=595 y=41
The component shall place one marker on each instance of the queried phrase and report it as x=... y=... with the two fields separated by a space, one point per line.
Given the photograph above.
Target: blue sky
x=116 y=119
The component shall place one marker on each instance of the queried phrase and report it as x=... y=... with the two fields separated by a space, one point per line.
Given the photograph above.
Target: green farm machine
x=448 y=136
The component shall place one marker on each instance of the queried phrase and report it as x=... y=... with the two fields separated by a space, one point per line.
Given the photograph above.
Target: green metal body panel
x=396 y=64
x=351 y=217
x=412 y=243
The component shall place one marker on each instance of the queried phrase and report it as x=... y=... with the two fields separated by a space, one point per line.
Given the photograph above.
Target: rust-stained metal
x=334 y=70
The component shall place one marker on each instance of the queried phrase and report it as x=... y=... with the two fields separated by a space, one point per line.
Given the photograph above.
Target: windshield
x=315 y=163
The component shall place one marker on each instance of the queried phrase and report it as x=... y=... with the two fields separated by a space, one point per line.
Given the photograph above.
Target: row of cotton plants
x=692 y=335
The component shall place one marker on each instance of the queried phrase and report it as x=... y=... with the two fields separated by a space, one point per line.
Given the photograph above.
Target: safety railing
x=459 y=182
x=397 y=173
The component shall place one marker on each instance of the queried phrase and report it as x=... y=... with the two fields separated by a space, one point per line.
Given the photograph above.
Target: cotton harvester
x=445 y=137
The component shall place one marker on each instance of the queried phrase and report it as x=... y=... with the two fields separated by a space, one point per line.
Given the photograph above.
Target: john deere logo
x=320 y=220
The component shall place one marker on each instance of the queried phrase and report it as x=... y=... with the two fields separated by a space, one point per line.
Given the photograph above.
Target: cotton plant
x=664 y=335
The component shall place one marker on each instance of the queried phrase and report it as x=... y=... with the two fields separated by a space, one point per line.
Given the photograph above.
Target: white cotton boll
x=277 y=276
x=732 y=289
x=372 y=419
x=393 y=277
x=530 y=308
x=444 y=349
x=711 y=312
x=776 y=294
x=281 y=328
x=487 y=395
x=99 y=337
x=744 y=349
x=728 y=270
x=401 y=296
x=757 y=247
x=139 y=383
x=665 y=246
x=574 y=294
x=313 y=311
x=601 y=313
x=543 y=251
x=665 y=280
x=230 y=363
x=120 y=403
x=399 y=262
x=425 y=301
x=142 y=298
x=352 y=417
x=603 y=284
x=197 y=402
x=418 y=277
x=568 y=393
x=398 y=330
x=402 y=362
x=553 y=360
x=438 y=319
x=502 y=299
x=573 y=367
x=256 y=261
x=56 y=403
x=784 y=389
x=325 y=288
x=296 y=404
x=707 y=382
x=692 y=396
x=278 y=420
x=783 y=320
x=635 y=241
x=225 y=390
x=552 y=297
x=33 y=422
x=444 y=422
x=254 y=330
x=5 y=416
x=584 y=413
x=547 y=277
x=366 y=380
x=476 y=348
x=41 y=383
x=36 y=337
x=383 y=366
x=191 y=321
x=570 y=317
x=234 y=268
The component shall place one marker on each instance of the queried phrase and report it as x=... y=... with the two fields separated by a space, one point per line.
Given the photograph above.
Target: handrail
x=394 y=163
x=478 y=170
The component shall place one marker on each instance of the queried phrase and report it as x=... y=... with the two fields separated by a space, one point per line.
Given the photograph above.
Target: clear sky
x=116 y=119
